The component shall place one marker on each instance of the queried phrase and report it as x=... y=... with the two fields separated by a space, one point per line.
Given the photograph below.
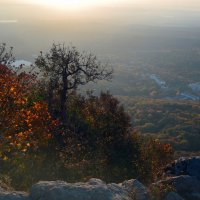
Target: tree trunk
x=50 y=98
x=63 y=98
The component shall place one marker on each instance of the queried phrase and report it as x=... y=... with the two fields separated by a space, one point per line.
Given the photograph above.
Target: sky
x=29 y=25
x=13 y=10
x=79 y=3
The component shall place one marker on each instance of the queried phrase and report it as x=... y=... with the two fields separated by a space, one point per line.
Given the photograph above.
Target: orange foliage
x=155 y=155
x=23 y=125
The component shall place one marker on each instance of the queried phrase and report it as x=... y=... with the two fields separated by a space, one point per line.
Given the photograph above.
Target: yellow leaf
x=5 y=158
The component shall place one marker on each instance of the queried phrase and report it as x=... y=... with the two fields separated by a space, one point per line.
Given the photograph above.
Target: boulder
x=136 y=189
x=94 y=189
x=4 y=195
x=185 y=166
x=173 y=196
x=187 y=187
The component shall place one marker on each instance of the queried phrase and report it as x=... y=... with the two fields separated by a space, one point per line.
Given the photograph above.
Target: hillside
x=176 y=122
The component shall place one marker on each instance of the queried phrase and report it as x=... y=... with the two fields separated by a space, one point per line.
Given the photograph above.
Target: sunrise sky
x=18 y=9
x=87 y=3
x=100 y=23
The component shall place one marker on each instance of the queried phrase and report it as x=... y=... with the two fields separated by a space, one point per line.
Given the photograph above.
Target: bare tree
x=6 y=56
x=66 y=69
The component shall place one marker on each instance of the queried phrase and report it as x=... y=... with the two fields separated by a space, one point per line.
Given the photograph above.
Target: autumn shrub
x=159 y=191
x=23 y=125
x=155 y=155
x=26 y=127
x=100 y=128
x=99 y=142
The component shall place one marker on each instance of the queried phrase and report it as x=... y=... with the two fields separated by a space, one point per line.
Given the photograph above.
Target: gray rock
x=193 y=168
x=13 y=195
x=188 y=187
x=136 y=189
x=185 y=166
x=1 y=189
x=94 y=189
x=173 y=196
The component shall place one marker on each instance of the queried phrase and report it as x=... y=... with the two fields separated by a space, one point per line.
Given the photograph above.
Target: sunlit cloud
x=77 y=4
x=73 y=4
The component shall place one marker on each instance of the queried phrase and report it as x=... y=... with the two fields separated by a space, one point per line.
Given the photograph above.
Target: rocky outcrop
x=183 y=177
x=184 y=166
x=185 y=186
x=135 y=189
x=173 y=196
x=4 y=195
x=188 y=187
x=94 y=189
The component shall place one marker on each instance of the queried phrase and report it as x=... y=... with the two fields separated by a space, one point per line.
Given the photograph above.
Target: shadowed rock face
x=173 y=196
x=184 y=176
x=185 y=166
x=187 y=186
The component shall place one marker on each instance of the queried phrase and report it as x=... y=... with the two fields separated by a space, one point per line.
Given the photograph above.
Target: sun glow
x=68 y=4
